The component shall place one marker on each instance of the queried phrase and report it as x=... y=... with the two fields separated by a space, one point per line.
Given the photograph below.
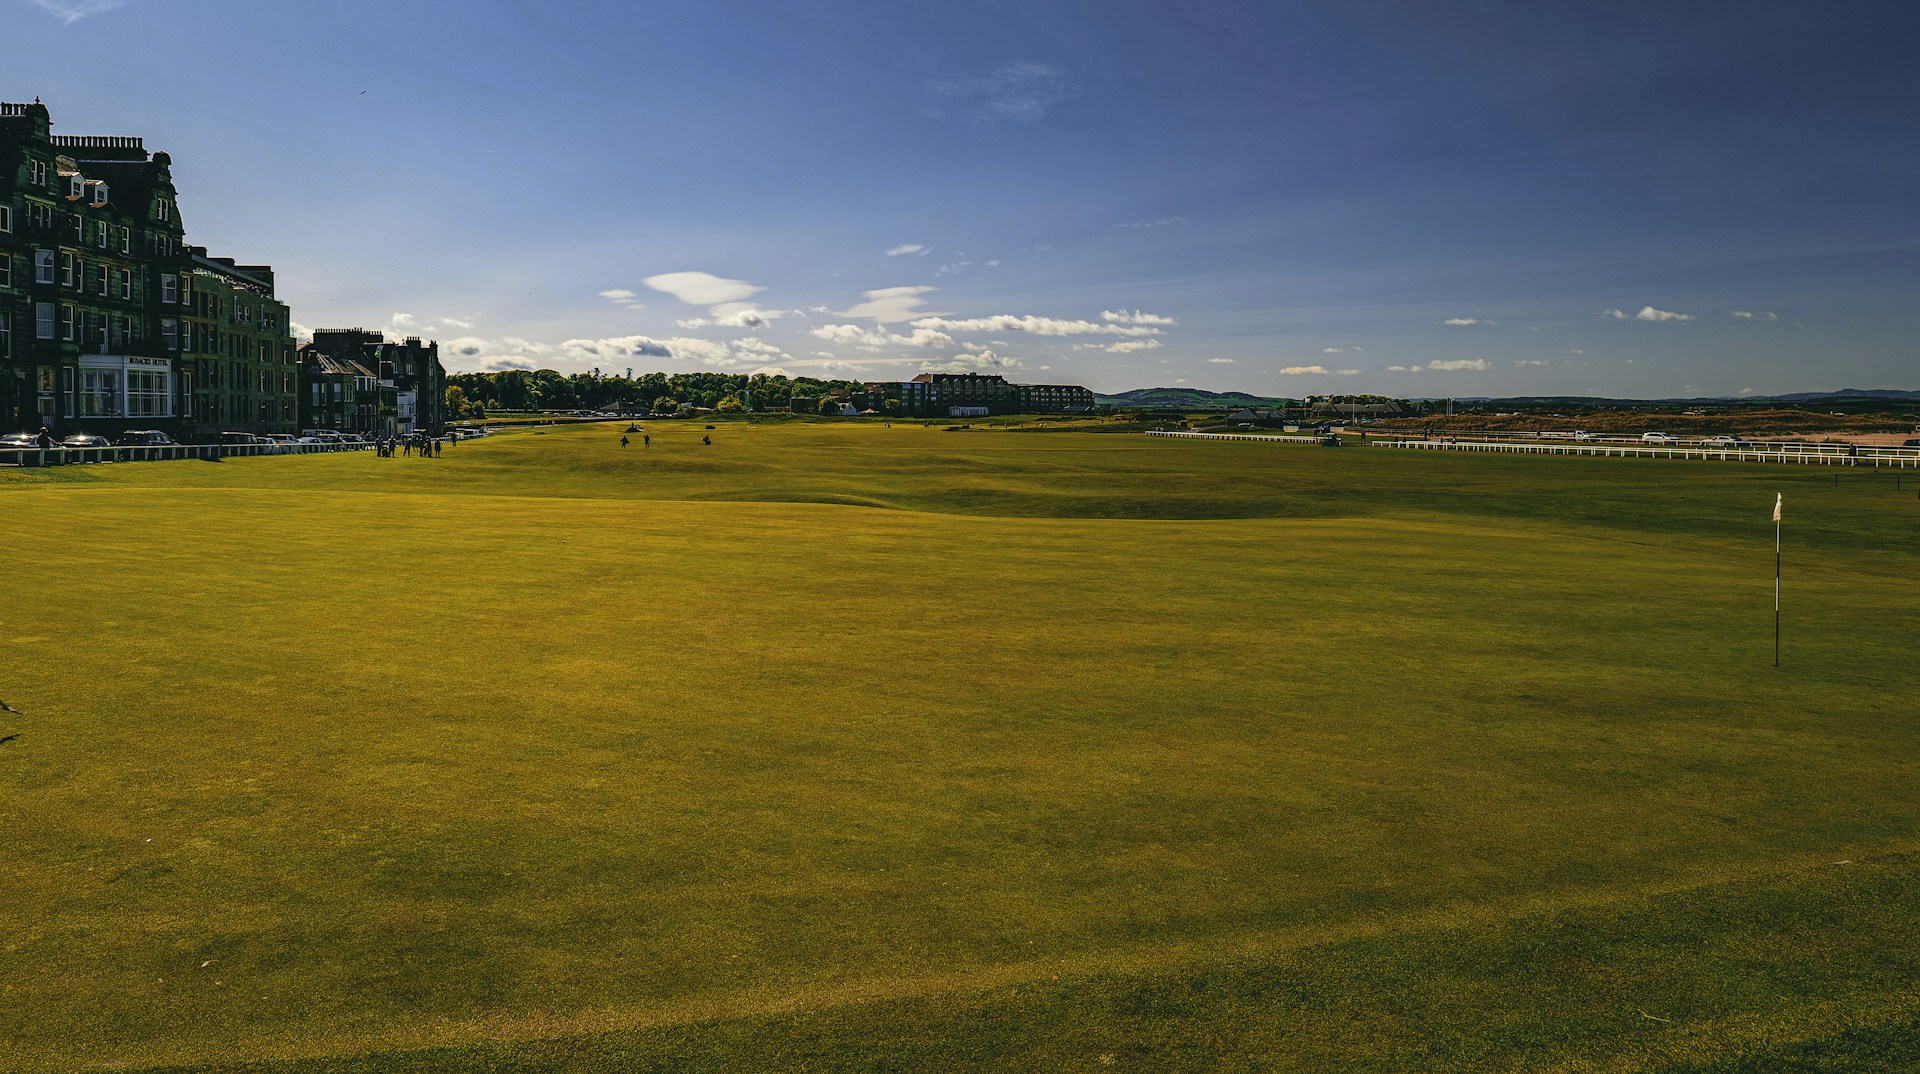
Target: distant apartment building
x=109 y=320
x=353 y=380
x=972 y=394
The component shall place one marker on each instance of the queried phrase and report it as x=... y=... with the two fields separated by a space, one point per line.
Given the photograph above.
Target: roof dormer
x=96 y=193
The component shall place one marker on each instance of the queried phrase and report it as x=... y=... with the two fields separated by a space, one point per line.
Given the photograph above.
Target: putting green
x=840 y=747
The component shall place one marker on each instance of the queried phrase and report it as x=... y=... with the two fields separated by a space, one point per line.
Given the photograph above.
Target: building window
x=6 y=270
x=40 y=174
x=66 y=322
x=43 y=320
x=6 y=219
x=66 y=390
x=6 y=335
x=126 y=283
x=66 y=270
x=169 y=288
x=106 y=287
x=164 y=210
x=147 y=395
x=170 y=334
x=186 y=336
x=126 y=240
x=43 y=266
x=186 y=394
x=99 y=393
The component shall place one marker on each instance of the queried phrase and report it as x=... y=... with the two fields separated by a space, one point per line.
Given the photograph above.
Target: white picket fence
x=1783 y=451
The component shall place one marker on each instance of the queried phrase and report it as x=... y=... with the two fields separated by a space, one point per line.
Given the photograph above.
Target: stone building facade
x=109 y=320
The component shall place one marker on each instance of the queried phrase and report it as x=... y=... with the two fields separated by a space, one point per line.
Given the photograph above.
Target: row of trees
x=659 y=393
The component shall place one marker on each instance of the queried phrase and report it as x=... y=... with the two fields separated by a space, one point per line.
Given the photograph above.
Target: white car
x=1659 y=438
x=1722 y=441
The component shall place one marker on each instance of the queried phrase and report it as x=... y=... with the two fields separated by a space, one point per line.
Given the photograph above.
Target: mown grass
x=1088 y=752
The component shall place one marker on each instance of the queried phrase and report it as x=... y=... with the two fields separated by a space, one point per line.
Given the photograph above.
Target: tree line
x=471 y=395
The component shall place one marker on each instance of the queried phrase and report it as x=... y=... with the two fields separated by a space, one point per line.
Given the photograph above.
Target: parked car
x=86 y=440
x=230 y=439
x=1331 y=440
x=1584 y=435
x=19 y=440
x=1659 y=438
x=1722 y=441
x=1915 y=442
x=279 y=438
x=146 y=438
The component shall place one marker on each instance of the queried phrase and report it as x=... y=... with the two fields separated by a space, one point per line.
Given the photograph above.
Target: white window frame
x=46 y=320
x=100 y=393
x=43 y=266
x=40 y=174
x=66 y=321
x=76 y=187
x=169 y=288
x=66 y=269
x=6 y=334
x=126 y=283
x=126 y=240
x=6 y=219
x=6 y=269
x=105 y=235
x=170 y=333
x=148 y=394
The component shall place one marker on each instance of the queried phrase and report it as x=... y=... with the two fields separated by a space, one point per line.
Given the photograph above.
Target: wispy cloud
x=1304 y=370
x=1039 y=326
x=1020 y=91
x=886 y=305
x=984 y=359
x=1463 y=322
x=702 y=288
x=1147 y=225
x=72 y=11
x=1749 y=315
x=1135 y=317
x=1458 y=364
x=1647 y=313
x=1220 y=361
x=1524 y=363
x=906 y=248
x=1130 y=345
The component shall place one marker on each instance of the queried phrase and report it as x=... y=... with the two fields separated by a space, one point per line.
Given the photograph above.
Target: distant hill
x=1186 y=398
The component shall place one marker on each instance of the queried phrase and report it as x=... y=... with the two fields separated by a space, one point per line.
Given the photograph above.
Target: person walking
x=646 y=440
x=624 y=441
x=706 y=440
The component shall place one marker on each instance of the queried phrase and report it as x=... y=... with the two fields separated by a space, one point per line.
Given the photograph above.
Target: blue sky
x=1409 y=198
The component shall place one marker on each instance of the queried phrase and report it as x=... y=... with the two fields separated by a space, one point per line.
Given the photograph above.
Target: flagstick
x=1776 y=588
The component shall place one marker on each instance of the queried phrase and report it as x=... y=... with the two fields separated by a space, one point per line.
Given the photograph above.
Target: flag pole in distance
x=1778 y=501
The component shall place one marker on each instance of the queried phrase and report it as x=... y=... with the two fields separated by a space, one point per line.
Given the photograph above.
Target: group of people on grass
x=426 y=445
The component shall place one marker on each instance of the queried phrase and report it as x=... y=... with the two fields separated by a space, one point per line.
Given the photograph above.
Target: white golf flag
x=1778 y=499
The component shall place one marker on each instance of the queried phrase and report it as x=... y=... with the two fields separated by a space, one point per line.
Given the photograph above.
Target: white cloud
x=1749 y=315
x=1333 y=350
x=702 y=288
x=1647 y=313
x=984 y=359
x=301 y=333
x=906 y=248
x=1135 y=317
x=71 y=11
x=853 y=335
x=1297 y=370
x=1403 y=369
x=455 y=322
x=617 y=294
x=1746 y=391
x=499 y=363
x=702 y=352
x=890 y=304
x=1524 y=363
x=1462 y=322
x=1039 y=326
x=1458 y=364
x=1220 y=361
x=1575 y=350
x=1346 y=372
x=1134 y=345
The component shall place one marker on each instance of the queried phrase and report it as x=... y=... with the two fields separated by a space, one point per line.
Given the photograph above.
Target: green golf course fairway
x=849 y=748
